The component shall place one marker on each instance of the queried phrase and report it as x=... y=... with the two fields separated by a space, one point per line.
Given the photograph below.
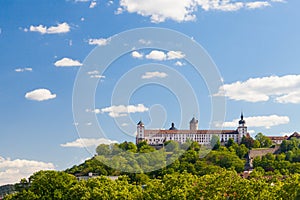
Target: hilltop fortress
x=158 y=137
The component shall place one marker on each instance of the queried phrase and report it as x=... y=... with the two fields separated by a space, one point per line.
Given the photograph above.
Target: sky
x=49 y=48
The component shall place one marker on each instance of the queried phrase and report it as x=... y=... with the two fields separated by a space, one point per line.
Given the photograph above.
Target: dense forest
x=216 y=174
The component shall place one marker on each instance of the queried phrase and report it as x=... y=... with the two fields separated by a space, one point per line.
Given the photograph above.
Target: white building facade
x=203 y=137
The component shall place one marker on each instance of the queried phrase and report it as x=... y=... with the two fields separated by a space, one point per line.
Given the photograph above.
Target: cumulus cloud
x=12 y=171
x=160 y=55
x=60 y=28
x=67 y=62
x=100 y=41
x=136 y=54
x=221 y=5
x=159 y=11
x=156 y=74
x=175 y=55
x=259 y=121
x=93 y=4
x=181 y=11
x=26 y=69
x=284 y=89
x=156 y=55
x=40 y=95
x=257 y=4
x=120 y=110
x=88 y=142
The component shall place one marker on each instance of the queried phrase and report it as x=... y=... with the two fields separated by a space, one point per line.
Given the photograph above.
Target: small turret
x=172 y=127
x=194 y=124
x=242 y=121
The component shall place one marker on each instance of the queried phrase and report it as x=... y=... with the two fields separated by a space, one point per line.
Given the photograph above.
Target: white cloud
x=93 y=4
x=257 y=4
x=109 y=3
x=160 y=55
x=67 y=62
x=12 y=171
x=221 y=5
x=279 y=1
x=40 y=95
x=284 y=89
x=88 y=142
x=259 y=121
x=159 y=11
x=26 y=69
x=96 y=111
x=180 y=11
x=175 y=55
x=119 y=11
x=180 y=64
x=156 y=55
x=136 y=54
x=121 y=110
x=149 y=75
x=60 y=28
x=100 y=41
x=95 y=74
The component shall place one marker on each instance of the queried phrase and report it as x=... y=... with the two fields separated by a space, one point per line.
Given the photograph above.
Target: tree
x=229 y=143
x=215 y=142
x=103 y=149
x=171 y=146
x=263 y=140
x=241 y=151
x=248 y=142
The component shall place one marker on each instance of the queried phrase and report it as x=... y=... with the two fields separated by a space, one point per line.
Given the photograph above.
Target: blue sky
x=45 y=44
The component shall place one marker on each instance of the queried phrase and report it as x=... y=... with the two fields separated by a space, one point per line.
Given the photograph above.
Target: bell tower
x=242 y=128
x=140 y=132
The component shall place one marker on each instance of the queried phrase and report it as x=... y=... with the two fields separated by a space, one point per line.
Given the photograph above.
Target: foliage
x=263 y=140
x=215 y=142
x=186 y=174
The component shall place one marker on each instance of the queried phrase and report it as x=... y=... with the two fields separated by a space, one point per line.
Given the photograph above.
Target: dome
x=173 y=127
x=242 y=121
x=194 y=120
x=140 y=123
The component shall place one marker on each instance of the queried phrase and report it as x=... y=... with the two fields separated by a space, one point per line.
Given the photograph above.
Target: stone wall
x=261 y=152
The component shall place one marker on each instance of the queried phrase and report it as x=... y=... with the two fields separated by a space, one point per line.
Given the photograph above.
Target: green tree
x=171 y=146
x=215 y=142
x=103 y=149
x=263 y=140
x=248 y=142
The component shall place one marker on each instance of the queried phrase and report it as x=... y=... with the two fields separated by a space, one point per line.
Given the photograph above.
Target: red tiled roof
x=191 y=132
x=277 y=137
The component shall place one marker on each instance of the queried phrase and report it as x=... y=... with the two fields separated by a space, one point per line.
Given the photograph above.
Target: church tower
x=242 y=128
x=140 y=132
x=194 y=124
